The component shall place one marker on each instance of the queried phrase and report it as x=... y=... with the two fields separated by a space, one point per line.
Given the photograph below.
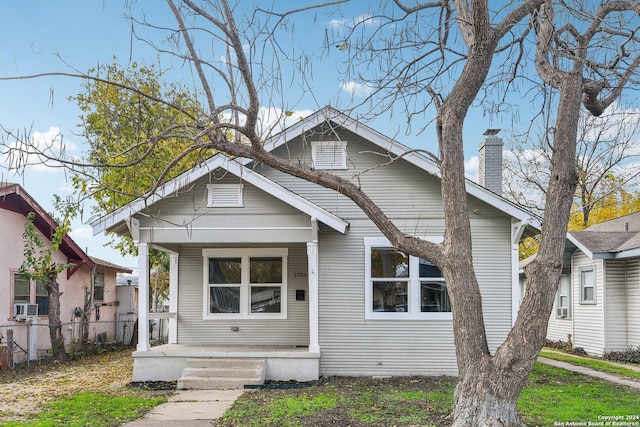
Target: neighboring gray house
x=598 y=300
x=269 y=267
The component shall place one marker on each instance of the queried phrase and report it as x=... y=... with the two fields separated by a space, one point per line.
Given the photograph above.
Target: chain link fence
x=28 y=342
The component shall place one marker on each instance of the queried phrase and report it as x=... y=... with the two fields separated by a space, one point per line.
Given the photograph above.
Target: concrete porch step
x=217 y=373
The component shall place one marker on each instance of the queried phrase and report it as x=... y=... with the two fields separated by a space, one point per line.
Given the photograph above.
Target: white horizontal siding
x=353 y=345
x=633 y=303
x=192 y=329
x=559 y=329
x=588 y=319
x=616 y=305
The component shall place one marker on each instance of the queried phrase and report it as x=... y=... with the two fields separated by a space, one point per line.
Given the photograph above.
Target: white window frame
x=338 y=163
x=414 y=310
x=245 y=254
x=33 y=295
x=581 y=271
x=232 y=195
x=560 y=294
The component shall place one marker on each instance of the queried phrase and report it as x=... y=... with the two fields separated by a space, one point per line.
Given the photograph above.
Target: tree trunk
x=487 y=397
x=489 y=386
x=58 y=351
x=86 y=317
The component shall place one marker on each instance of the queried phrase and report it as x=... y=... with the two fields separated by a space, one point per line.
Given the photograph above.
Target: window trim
x=581 y=272
x=95 y=285
x=32 y=294
x=341 y=165
x=568 y=295
x=245 y=286
x=413 y=290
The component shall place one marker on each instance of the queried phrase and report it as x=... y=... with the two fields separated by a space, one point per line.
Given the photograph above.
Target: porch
x=282 y=363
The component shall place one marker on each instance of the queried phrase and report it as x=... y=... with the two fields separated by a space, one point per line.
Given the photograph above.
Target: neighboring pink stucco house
x=91 y=273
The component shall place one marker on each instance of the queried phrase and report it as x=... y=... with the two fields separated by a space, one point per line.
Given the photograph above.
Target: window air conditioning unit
x=24 y=311
x=563 y=312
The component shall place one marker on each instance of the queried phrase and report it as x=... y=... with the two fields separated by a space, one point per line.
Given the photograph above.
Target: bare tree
x=606 y=160
x=588 y=54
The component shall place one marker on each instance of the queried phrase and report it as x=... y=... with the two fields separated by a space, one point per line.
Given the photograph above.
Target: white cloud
x=272 y=120
x=37 y=153
x=365 y=18
x=83 y=232
x=356 y=89
x=471 y=168
x=338 y=23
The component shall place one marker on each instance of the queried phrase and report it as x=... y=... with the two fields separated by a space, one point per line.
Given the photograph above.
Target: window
x=402 y=287
x=588 y=285
x=21 y=289
x=42 y=298
x=224 y=195
x=563 y=298
x=245 y=283
x=22 y=293
x=329 y=154
x=98 y=287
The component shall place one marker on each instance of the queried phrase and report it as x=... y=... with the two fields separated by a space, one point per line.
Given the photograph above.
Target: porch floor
x=252 y=351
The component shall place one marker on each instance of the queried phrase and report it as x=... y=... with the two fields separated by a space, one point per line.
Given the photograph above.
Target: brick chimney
x=490 y=169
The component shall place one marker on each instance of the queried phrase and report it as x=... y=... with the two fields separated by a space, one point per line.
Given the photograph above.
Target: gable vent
x=224 y=195
x=329 y=154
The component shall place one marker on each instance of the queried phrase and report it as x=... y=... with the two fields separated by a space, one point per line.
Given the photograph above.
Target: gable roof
x=109 y=265
x=616 y=238
x=14 y=198
x=110 y=221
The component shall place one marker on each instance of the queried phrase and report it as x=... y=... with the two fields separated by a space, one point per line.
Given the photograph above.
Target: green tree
x=39 y=265
x=133 y=136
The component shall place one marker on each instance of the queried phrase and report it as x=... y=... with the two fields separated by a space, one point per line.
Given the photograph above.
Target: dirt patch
x=24 y=391
x=348 y=401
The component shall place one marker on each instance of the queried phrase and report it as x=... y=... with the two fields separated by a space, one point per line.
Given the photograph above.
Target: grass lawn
x=93 y=408
x=597 y=364
x=551 y=396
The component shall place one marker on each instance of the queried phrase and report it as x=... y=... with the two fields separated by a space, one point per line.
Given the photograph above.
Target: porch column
x=143 y=297
x=312 y=261
x=173 y=298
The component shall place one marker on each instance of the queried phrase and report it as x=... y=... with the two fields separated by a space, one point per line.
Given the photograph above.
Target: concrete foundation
x=166 y=362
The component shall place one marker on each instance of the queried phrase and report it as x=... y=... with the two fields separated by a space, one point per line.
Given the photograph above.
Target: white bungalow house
x=598 y=300
x=269 y=267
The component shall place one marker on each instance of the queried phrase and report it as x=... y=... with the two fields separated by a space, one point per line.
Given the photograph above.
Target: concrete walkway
x=592 y=372
x=193 y=408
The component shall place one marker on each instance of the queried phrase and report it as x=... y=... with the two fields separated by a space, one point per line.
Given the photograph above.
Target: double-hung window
x=588 y=285
x=24 y=289
x=98 y=287
x=245 y=283
x=399 y=286
x=563 y=300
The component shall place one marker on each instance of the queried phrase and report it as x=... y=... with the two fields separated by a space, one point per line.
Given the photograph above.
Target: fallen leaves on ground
x=24 y=390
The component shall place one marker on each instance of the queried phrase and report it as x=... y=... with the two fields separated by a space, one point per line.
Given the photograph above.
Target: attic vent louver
x=329 y=154
x=224 y=195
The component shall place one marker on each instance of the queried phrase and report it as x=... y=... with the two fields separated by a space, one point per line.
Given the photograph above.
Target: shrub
x=566 y=346
x=630 y=355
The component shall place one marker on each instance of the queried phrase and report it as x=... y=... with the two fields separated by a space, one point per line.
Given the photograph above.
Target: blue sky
x=45 y=36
